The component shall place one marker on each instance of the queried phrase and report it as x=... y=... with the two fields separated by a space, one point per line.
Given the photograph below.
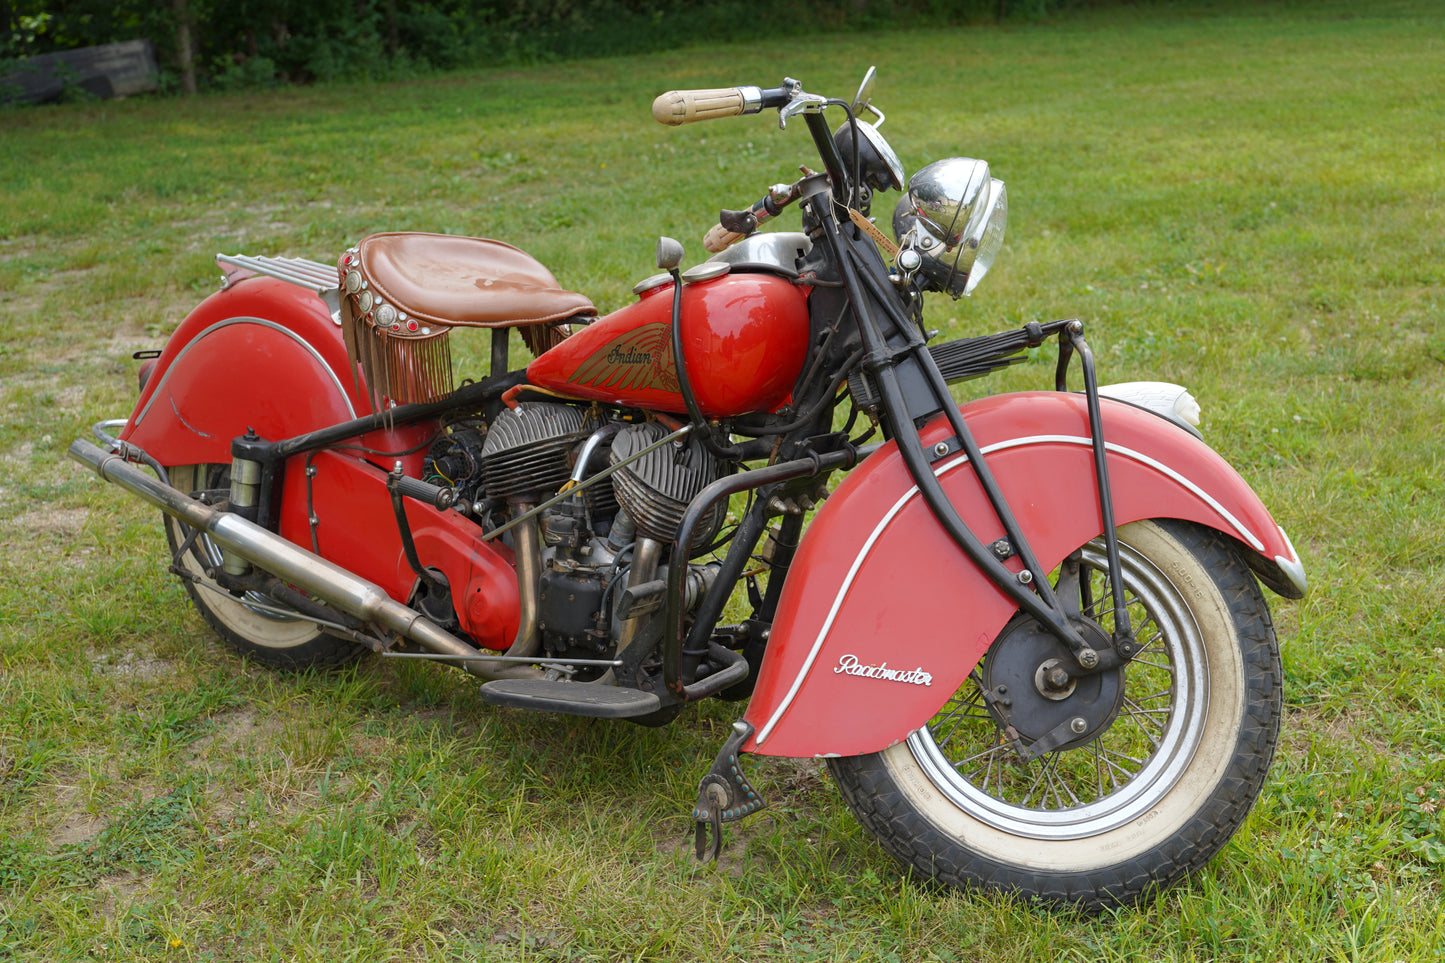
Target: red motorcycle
x=1026 y=633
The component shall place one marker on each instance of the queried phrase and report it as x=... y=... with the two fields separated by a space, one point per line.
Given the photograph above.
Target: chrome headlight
x=878 y=162
x=953 y=216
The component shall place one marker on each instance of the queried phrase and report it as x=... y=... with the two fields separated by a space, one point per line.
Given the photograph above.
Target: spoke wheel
x=254 y=624
x=1155 y=764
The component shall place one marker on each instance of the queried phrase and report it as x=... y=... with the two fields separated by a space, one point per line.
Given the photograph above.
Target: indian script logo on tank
x=641 y=358
x=849 y=665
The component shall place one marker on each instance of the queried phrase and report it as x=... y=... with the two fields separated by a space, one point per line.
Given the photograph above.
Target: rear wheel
x=253 y=624
x=1171 y=752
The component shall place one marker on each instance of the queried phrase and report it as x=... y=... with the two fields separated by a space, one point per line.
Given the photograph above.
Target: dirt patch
x=53 y=521
x=132 y=666
x=38 y=296
x=1354 y=727
x=240 y=226
x=70 y=398
x=235 y=728
x=121 y=891
x=13 y=249
x=239 y=734
x=76 y=828
x=21 y=454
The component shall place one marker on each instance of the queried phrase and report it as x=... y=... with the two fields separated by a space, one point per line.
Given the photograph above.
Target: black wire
x=724 y=539
x=855 y=195
x=816 y=408
x=431 y=440
x=872 y=430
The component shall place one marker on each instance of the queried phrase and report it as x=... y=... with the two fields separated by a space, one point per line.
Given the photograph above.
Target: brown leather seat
x=446 y=280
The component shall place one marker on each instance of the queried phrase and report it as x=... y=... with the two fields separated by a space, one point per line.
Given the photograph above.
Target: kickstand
x=724 y=795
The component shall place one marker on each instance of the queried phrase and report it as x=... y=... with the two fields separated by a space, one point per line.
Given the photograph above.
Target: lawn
x=1245 y=198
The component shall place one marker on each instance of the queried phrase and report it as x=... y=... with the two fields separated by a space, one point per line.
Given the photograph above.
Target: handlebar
x=733 y=226
x=677 y=107
x=687 y=106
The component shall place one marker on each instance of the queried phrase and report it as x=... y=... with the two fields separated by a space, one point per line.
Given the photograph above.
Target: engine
x=612 y=537
x=657 y=486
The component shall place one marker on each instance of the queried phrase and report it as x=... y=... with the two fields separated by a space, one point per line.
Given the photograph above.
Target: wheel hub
x=1038 y=689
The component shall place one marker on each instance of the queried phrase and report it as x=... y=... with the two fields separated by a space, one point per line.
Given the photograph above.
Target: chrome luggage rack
x=312 y=275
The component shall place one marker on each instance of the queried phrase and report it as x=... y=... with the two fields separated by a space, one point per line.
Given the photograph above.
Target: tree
x=185 y=58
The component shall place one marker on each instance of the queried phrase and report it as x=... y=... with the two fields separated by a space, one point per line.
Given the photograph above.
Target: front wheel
x=254 y=625
x=1173 y=751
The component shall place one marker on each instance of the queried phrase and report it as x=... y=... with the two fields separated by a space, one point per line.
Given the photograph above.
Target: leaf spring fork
x=1071 y=341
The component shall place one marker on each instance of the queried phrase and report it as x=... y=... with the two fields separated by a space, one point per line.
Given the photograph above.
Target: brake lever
x=802 y=103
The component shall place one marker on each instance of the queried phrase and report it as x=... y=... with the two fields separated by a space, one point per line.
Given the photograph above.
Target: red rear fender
x=263 y=355
x=268 y=356
x=884 y=617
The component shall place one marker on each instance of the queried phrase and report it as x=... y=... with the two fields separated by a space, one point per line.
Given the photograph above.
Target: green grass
x=1244 y=198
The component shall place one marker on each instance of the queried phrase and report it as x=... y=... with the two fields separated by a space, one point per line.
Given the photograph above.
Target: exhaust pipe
x=311 y=573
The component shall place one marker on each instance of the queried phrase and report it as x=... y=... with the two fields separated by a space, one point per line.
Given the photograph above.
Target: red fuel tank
x=744 y=337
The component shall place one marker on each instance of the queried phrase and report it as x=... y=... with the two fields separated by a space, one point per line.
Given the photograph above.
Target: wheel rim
x=254 y=618
x=255 y=602
x=209 y=554
x=1112 y=780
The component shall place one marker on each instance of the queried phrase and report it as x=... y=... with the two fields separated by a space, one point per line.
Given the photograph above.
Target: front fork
x=889 y=365
x=725 y=793
x=1071 y=340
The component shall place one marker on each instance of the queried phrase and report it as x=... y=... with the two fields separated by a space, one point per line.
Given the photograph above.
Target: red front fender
x=883 y=616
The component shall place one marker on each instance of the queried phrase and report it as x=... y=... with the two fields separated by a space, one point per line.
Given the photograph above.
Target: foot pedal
x=724 y=795
x=570 y=698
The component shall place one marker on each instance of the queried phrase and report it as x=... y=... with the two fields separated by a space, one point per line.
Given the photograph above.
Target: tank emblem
x=640 y=358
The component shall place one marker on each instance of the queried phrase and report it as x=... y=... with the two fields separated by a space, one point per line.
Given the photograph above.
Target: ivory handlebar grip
x=687 y=106
x=719 y=239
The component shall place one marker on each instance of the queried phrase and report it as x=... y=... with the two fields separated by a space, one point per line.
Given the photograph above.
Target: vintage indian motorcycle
x=1025 y=633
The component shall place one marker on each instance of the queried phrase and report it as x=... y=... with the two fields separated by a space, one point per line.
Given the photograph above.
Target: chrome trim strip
x=1293 y=568
x=938 y=473
x=335 y=381
x=833 y=613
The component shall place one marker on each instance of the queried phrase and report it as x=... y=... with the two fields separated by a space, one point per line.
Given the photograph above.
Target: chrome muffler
x=311 y=573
